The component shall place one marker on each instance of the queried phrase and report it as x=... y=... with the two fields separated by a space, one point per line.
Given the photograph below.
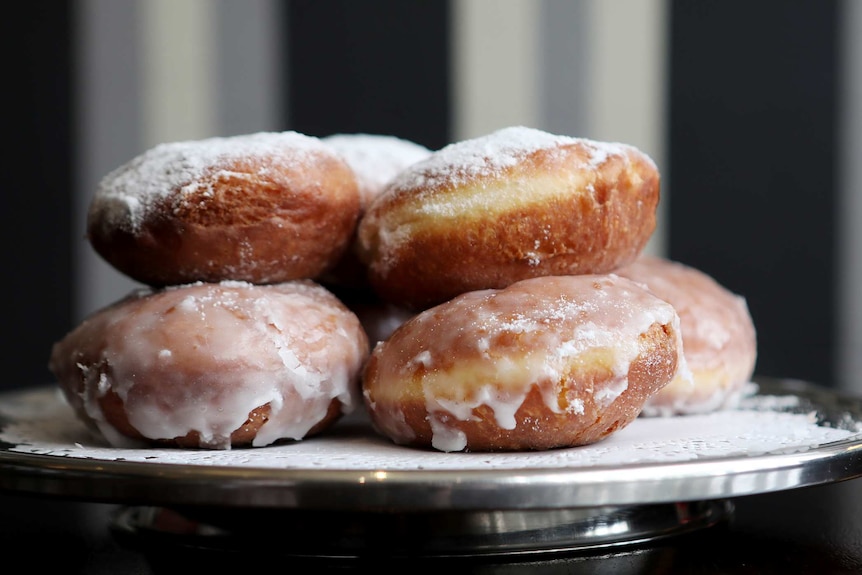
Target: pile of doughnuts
x=231 y=342
x=492 y=295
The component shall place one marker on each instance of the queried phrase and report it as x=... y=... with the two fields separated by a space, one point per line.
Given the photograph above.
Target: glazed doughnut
x=375 y=159
x=213 y=365
x=547 y=362
x=264 y=208
x=718 y=334
x=514 y=204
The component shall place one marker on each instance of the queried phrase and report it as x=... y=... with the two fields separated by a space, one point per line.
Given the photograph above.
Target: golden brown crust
x=376 y=159
x=568 y=208
x=115 y=415
x=259 y=215
x=425 y=385
x=537 y=426
x=214 y=365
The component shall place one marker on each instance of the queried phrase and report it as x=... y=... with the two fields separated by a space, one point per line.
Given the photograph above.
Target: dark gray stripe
x=35 y=227
x=752 y=157
x=378 y=66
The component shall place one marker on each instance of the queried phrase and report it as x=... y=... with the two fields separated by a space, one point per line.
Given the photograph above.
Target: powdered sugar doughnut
x=718 y=333
x=375 y=159
x=214 y=365
x=517 y=203
x=262 y=208
x=546 y=362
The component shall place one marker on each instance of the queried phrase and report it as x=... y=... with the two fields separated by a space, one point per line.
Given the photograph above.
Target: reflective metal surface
x=439 y=534
x=156 y=484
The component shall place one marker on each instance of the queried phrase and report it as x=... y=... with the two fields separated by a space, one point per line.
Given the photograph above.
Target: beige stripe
x=179 y=72
x=154 y=71
x=495 y=77
x=626 y=83
x=502 y=53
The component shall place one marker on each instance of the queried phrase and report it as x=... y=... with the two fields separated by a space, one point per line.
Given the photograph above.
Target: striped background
x=754 y=121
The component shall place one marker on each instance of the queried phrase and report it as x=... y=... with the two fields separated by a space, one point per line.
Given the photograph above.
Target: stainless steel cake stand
x=435 y=513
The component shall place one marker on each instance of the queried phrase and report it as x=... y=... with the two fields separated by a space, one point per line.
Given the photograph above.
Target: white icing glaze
x=126 y=196
x=718 y=335
x=44 y=425
x=445 y=436
x=201 y=357
x=523 y=336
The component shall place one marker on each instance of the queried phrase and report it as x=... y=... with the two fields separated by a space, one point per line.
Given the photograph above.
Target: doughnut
x=546 y=362
x=375 y=159
x=511 y=205
x=718 y=335
x=213 y=365
x=266 y=207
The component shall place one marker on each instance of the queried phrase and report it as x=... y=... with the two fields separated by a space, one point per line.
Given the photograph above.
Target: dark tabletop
x=814 y=530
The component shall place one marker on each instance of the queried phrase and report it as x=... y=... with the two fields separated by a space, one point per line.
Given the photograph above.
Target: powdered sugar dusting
x=492 y=154
x=523 y=337
x=126 y=195
x=376 y=158
x=43 y=424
